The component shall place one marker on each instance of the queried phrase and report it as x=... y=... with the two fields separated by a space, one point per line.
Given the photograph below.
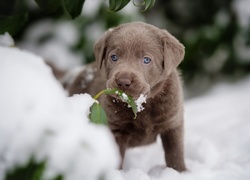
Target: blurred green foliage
x=31 y=171
x=13 y=13
x=216 y=44
x=212 y=34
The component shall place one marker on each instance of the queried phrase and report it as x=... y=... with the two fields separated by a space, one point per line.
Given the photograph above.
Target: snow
x=241 y=8
x=124 y=97
x=54 y=41
x=36 y=118
x=139 y=102
x=90 y=7
x=241 y=45
x=217 y=141
x=6 y=40
x=95 y=31
x=87 y=76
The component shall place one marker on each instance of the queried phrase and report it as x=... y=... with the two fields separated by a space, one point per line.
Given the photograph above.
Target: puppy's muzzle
x=123 y=83
x=129 y=82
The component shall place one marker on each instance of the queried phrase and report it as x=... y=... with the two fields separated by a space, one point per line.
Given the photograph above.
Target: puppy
x=138 y=58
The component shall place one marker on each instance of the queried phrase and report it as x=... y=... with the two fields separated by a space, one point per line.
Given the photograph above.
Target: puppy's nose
x=123 y=83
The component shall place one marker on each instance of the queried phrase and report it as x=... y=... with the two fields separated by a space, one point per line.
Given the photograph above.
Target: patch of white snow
x=38 y=119
x=6 y=40
x=140 y=101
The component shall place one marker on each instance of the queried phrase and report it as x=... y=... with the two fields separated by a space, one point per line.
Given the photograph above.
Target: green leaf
x=73 y=7
x=97 y=114
x=131 y=102
x=49 y=6
x=139 y=5
x=32 y=170
x=12 y=24
x=112 y=5
x=149 y=4
x=126 y=98
x=116 y=5
x=6 y=7
x=122 y=5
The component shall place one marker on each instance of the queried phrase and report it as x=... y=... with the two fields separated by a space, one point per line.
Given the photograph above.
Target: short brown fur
x=159 y=80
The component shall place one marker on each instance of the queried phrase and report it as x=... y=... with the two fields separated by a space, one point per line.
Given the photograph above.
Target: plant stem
x=97 y=96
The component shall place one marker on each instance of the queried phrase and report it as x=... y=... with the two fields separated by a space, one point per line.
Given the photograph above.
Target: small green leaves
x=97 y=114
x=126 y=98
x=49 y=6
x=32 y=170
x=116 y=5
x=148 y=4
x=74 y=8
x=12 y=24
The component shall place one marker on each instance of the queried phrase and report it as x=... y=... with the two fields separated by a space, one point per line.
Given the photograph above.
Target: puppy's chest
x=148 y=123
x=156 y=115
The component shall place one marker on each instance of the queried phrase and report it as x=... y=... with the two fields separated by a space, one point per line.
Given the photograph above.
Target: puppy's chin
x=133 y=95
x=135 y=91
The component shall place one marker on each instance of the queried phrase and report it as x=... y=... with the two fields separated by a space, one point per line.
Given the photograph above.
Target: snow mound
x=217 y=140
x=6 y=40
x=57 y=49
x=37 y=119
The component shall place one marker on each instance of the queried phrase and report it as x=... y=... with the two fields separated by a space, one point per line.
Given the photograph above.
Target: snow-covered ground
x=217 y=139
x=36 y=118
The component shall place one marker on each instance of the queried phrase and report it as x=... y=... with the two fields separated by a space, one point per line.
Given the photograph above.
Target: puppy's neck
x=166 y=84
x=156 y=89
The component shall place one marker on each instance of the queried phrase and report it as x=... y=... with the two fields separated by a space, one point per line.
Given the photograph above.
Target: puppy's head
x=137 y=57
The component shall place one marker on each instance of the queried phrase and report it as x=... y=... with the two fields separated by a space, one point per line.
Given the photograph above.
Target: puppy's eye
x=114 y=57
x=146 y=60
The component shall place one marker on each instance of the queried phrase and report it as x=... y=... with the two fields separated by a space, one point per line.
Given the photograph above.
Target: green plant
x=12 y=21
x=116 y=5
x=33 y=170
x=97 y=113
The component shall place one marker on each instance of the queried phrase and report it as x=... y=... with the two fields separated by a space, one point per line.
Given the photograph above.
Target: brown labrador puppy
x=139 y=59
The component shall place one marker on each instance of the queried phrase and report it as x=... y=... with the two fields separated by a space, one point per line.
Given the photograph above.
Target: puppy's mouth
x=135 y=92
x=135 y=96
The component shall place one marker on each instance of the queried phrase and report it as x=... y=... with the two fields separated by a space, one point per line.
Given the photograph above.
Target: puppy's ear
x=173 y=51
x=100 y=48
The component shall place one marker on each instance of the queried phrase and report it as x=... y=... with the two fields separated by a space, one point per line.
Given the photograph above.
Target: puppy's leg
x=172 y=140
x=121 y=142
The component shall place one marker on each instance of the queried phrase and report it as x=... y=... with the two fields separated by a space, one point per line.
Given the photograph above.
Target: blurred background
x=216 y=34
